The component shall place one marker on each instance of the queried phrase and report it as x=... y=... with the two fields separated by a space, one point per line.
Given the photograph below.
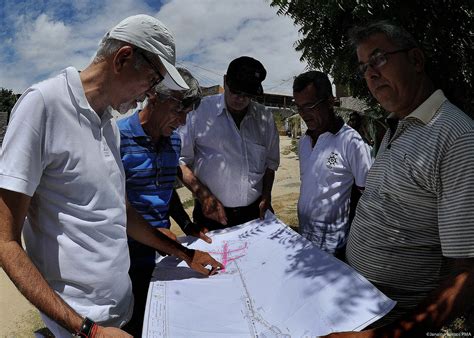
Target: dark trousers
x=235 y=216
x=142 y=264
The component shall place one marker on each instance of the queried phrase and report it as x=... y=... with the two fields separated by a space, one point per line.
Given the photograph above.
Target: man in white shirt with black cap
x=60 y=166
x=230 y=150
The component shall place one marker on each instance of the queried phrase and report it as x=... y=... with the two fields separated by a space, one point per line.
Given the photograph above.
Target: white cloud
x=209 y=34
x=42 y=39
x=216 y=31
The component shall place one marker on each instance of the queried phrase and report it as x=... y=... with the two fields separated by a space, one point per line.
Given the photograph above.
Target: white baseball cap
x=149 y=33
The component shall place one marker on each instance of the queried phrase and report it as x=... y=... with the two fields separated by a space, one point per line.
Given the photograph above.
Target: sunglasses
x=160 y=77
x=240 y=93
x=184 y=104
x=311 y=107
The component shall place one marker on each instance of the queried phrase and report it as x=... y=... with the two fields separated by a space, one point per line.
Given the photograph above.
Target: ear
x=123 y=57
x=417 y=58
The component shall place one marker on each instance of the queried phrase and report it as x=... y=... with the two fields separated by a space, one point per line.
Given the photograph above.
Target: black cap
x=245 y=74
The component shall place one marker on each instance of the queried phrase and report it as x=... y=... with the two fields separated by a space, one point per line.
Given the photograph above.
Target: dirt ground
x=18 y=318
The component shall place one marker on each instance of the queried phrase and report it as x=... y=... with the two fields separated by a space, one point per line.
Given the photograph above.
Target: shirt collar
x=428 y=109
x=221 y=105
x=75 y=85
x=425 y=111
x=135 y=125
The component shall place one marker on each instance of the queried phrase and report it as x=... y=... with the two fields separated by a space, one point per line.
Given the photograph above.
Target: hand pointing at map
x=198 y=260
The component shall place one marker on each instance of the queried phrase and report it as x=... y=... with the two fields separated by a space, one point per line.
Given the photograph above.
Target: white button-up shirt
x=229 y=161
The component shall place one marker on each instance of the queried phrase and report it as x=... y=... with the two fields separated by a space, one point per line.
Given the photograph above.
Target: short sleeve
x=273 y=146
x=360 y=160
x=187 y=140
x=21 y=156
x=456 y=199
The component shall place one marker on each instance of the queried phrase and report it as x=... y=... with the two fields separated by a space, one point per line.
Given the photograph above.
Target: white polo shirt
x=229 y=161
x=327 y=174
x=60 y=152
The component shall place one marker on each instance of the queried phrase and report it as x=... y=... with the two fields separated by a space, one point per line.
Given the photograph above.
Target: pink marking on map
x=227 y=254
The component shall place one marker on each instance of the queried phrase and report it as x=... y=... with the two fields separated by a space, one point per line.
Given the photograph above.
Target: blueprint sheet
x=275 y=284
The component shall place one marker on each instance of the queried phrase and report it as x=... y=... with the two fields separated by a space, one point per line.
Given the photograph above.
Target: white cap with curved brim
x=149 y=33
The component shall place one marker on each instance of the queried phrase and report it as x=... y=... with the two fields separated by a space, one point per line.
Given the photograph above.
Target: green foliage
x=7 y=100
x=443 y=28
x=279 y=120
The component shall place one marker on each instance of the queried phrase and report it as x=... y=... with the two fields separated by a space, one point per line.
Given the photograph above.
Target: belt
x=250 y=207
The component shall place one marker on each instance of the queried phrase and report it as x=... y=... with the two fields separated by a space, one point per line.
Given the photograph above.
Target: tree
x=443 y=28
x=7 y=100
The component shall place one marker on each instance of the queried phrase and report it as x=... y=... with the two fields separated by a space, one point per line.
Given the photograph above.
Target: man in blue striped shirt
x=150 y=149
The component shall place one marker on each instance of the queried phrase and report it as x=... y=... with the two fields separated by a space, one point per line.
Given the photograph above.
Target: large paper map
x=275 y=284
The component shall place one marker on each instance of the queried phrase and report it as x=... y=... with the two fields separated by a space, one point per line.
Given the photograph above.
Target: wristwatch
x=88 y=329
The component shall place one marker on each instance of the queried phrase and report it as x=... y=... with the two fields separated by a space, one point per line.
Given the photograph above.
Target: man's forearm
x=268 y=179
x=452 y=298
x=34 y=287
x=141 y=231
x=191 y=182
x=177 y=212
x=21 y=270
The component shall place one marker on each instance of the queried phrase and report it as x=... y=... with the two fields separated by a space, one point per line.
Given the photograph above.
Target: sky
x=39 y=38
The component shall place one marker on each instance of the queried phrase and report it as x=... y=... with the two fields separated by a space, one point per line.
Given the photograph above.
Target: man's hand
x=212 y=208
x=192 y=229
x=105 y=332
x=198 y=260
x=265 y=204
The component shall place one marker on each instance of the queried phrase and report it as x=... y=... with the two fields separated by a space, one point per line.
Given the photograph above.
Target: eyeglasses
x=240 y=93
x=153 y=67
x=187 y=103
x=377 y=60
x=310 y=108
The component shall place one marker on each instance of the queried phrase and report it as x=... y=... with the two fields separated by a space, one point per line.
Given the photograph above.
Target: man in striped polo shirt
x=413 y=233
x=150 y=149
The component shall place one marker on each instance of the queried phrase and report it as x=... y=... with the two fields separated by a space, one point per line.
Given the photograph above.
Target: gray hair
x=109 y=46
x=194 y=91
x=399 y=36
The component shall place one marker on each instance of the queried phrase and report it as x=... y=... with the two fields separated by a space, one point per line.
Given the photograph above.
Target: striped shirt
x=417 y=207
x=150 y=170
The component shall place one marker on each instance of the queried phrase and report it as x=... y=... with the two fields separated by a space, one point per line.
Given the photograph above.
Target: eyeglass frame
x=362 y=67
x=308 y=109
x=152 y=66
x=183 y=104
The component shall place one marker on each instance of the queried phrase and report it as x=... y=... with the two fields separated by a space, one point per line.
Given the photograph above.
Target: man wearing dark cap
x=60 y=166
x=230 y=153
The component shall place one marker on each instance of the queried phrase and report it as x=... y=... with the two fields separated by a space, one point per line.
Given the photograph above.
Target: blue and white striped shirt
x=150 y=170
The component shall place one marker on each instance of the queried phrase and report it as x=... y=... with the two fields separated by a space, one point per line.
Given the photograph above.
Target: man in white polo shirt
x=230 y=150
x=413 y=233
x=60 y=165
x=334 y=160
